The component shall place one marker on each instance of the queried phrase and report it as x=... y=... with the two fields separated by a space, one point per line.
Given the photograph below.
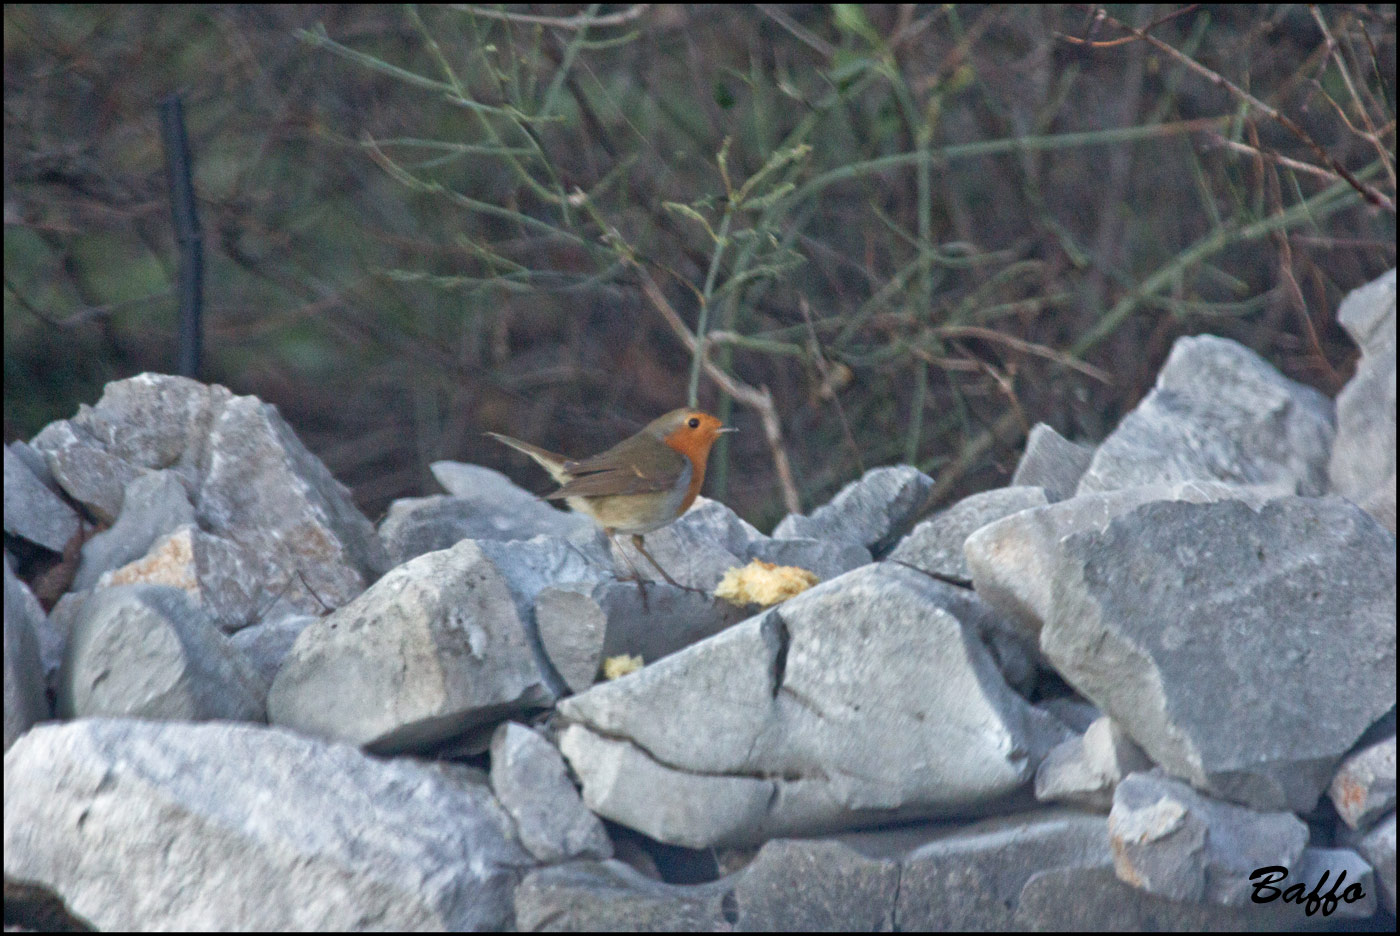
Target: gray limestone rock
x=153 y=505
x=485 y=504
x=572 y=628
x=873 y=511
x=148 y=651
x=1012 y=560
x=971 y=878
x=823 y=558
x=936 y=545
x=1051 y=462
x=1200 y=629
x=141 y=825
x=1363 y=457
x=250 y=480
x=532 y=783
x=1378 y=848
x=1363 y=789
x=609 y=896
x=217 y=572
x=696 y=550
x=265 y=646
x=1218 y=412
x=432 y=649
x=32 y=511
x=1085 y=771
x=1170 y=841
x=25 y=701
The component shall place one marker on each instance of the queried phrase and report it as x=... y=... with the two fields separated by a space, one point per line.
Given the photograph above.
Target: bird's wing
x=635 y=466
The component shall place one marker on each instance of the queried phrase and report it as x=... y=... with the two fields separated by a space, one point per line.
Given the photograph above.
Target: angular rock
x=1218 y=412
x=216 y=572
x=32 y=511
x=670 y=620
x=504 y=510
x=530 y=780
x=1073 y=711
x=1094 y=900
x=148 y=651
x=971 y=878
x=531 y=566
x=858 y=701
x=251 y=479
x=265 y=646
x=572 y=629
x=492 y=508
x=1170 y=841
x=1363 y=789
x=1085 y=771
x=265 y=490
x=1341 y=871
x=825 y=559
x=1362 y=468
x=53 y=634
x=609 y=896
x=1196 y=627
x=432 y=649
x=153 y=505
x=812 y=886
x=25 y=701
x=935 y=546
x=873 y=511
x=1378 y=848
x=1011 y=559
x=163 y=825
x=796 y=885
x=1051 y=462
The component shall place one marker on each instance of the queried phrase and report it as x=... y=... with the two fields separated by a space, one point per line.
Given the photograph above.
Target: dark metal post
x=188 y=235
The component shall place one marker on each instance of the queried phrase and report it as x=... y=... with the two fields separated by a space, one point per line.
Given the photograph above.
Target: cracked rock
x=859 y=700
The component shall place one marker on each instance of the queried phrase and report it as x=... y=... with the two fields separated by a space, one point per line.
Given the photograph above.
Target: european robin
x=641 y=483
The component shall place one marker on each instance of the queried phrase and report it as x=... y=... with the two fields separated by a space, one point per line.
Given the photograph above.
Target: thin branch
x=1367 y=192
x=582 y=21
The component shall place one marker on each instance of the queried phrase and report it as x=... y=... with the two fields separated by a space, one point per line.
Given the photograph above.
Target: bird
x=640 y=484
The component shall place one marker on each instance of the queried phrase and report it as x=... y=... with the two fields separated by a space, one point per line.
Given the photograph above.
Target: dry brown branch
x=1027 y=347
x=1370 y=134
x=1272 y=157
x=1367 y=192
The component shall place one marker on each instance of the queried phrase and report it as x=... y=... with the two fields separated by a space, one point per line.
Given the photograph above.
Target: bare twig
x=1271 y=156
x=582 y=21
x=1370 y=135
x=827 y=381
x=1368 y=192
x=1027 y=347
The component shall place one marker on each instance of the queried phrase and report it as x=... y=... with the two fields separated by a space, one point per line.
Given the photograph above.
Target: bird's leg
x=637 y=541
x=636 y=575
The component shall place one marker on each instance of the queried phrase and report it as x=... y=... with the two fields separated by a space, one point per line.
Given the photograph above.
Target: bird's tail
x=549 y=461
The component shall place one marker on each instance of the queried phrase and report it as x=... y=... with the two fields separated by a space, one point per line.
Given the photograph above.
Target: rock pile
x=1143 y=687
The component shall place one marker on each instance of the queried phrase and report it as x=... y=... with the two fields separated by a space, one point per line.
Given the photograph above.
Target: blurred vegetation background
x=908 y=232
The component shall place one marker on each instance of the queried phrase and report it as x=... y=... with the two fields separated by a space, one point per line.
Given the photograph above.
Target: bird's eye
x=693 y=422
